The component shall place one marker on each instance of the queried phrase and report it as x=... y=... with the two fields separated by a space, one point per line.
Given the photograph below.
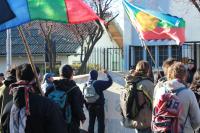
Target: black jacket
x=76 y=99
x=45 y=116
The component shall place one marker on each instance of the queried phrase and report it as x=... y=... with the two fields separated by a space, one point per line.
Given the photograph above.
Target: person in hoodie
x=29 y=112
x=4 y=90
x=96 y=110
x=47 y=85
x=75 y=96
x=177 y=76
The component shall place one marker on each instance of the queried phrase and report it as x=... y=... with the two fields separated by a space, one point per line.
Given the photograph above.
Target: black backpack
x=129 y=99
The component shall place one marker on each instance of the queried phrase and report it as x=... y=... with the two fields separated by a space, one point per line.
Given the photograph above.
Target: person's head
x=196 y=79
x=142 y=67
x=12 y=72
x=48 y=77
x=196 y=76
x=191 y=65
x=93 y=75
x=24 y=72
x=167 y=63
x=178 y=71
x=66 y=71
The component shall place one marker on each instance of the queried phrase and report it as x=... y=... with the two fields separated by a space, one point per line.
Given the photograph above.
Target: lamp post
x=8 y=49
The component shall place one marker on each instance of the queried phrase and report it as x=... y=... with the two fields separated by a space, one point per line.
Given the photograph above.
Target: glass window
x=138 y=54
x=163 y=54
x=149 y=59
x=176 y=52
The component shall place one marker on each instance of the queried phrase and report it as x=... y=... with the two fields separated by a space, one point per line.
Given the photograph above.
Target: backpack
x=89 y=93
x=60 y=97
x=167 y=112
x=132 y=102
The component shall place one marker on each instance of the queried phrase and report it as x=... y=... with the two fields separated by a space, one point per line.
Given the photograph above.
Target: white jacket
x=190 y=105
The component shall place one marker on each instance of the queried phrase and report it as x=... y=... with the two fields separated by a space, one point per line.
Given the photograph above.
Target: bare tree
x=90 y=33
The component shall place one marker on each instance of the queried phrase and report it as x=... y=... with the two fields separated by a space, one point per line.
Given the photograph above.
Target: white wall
x=106 y=41
x=23 y=59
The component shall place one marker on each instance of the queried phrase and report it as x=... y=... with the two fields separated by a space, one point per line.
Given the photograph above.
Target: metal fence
x=106 y=58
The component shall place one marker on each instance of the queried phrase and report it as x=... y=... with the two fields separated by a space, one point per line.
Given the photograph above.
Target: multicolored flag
x=153 y=25
x=65 y=11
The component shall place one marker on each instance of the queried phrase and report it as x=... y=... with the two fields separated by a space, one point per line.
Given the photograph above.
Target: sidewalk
x=112 y=107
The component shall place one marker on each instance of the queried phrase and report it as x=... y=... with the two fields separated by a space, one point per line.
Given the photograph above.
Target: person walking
x=96 y=109
x=189 y=118
x=29 y=112
x=47 y=85
x=75 y=97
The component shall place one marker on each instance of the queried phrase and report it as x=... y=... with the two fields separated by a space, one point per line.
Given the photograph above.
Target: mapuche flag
x=64 y=11
x=153 y=25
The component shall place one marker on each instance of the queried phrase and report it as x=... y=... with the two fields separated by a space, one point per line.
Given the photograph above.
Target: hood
x=48 y=75
x=64 y=83
x=173 y=84
x=93 y=75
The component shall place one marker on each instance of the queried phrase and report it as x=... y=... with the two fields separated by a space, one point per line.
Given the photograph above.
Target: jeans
x=96 y=111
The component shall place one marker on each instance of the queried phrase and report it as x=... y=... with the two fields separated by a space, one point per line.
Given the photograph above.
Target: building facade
x=161 y=50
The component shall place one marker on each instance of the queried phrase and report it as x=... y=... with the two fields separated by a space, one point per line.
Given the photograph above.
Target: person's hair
x=196 y=80
x=150 y=73
x=66 y=71
x=24 y=72
x=12 y=72
x=142 y=68
x=167 y=63
x=178 y=71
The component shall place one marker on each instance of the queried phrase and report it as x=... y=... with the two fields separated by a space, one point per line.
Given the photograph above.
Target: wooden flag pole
x=146 y=47
x=28 y=52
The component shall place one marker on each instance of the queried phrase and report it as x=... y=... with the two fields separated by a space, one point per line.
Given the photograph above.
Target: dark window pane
x=138 y=54
x=163 y=54
x=176 y=52
x=149 y=59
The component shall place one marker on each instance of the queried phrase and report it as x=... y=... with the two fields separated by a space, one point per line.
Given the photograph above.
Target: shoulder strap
x=177 y=91
x=71 y=89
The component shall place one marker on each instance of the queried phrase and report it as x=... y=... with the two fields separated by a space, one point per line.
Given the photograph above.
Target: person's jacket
x=45 y=116
x=47 y=87
x=76 y=99
x=100 y=86
x=191 y=112
x=4 y=92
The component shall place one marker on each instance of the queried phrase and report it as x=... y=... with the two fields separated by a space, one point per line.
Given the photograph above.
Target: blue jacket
x=100 y=86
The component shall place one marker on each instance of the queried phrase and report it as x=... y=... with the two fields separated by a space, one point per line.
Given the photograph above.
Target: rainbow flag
x=17 y=12
x=153 y=25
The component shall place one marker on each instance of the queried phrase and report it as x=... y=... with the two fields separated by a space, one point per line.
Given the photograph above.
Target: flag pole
x=8 y=49
x=146 y=47
x=28 y=52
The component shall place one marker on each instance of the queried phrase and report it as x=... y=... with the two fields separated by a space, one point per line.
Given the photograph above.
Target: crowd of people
x=166 y=104
x=25 y=110
x=173 y=98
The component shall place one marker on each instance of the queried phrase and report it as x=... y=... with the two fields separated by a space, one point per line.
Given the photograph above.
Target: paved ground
x=112 y=110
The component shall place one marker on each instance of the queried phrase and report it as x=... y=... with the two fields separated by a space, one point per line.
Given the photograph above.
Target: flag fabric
x=153 y=25
x=64 y=11
x=5 y=12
